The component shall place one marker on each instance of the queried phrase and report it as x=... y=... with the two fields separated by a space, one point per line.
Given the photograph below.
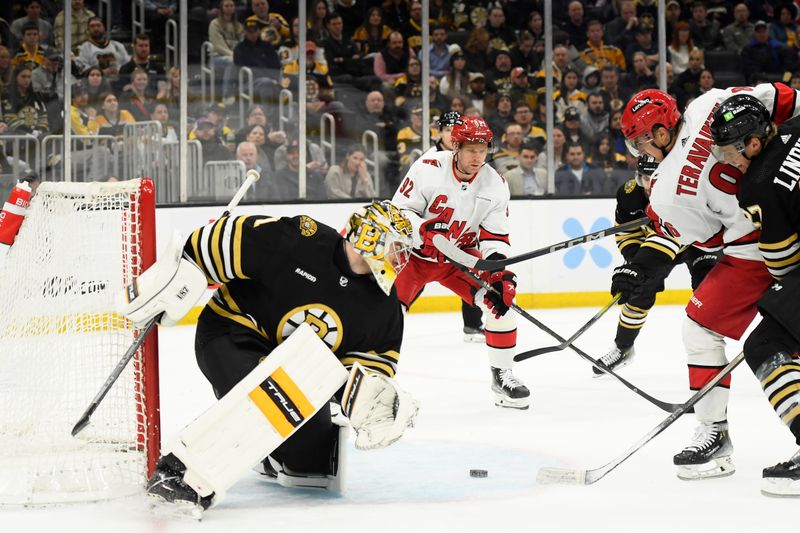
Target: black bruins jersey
x=769 y=197
x=655 y=249
x=276 y=273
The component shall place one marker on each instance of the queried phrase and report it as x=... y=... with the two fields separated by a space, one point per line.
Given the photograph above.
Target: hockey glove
x=427 y=231
x=500 y=300
x=628 y=280
x=378 y=409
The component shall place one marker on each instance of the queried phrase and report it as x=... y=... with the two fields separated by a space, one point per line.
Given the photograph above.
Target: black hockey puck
x=478 y=473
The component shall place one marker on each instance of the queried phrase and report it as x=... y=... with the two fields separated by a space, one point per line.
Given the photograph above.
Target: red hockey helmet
x=471 y=129
x=646 y=110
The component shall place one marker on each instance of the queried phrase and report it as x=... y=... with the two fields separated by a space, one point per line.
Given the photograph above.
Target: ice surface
x=422 y=483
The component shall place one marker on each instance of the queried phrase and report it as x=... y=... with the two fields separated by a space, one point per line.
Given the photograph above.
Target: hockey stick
x=539 y=351
x=457 y=255
x=549 y=475
x=252 y=177
x=665 y=406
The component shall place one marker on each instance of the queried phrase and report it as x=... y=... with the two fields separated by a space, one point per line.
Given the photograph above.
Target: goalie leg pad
x=265 y=408
x=378 y=409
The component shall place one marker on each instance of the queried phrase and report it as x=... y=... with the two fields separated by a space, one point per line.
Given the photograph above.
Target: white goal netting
x=80 y=244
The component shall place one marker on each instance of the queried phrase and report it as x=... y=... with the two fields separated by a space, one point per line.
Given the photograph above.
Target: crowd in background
x=364 y=70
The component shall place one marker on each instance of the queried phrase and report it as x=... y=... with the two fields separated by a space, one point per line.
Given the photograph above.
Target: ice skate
x=708 y=455
x=615 y=359
x=783 y=479
x=170 y=496
x=508 y=390
x=474 y=335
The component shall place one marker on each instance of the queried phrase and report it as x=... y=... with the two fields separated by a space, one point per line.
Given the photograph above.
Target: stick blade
x=81 y=425
x=561 y=476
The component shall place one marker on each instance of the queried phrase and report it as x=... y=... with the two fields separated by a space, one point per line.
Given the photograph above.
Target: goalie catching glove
x=378 y=409
x=168 y=289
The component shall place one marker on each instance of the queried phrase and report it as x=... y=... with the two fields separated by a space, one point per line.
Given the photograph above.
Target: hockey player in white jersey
x=456 y=194
x=693 y=200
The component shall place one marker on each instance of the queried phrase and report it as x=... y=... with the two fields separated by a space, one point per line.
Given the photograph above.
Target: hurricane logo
x=574 y=256
x=322 y=319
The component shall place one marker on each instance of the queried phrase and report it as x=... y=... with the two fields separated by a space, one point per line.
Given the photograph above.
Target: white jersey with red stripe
x=476 y=210
x=693 y=194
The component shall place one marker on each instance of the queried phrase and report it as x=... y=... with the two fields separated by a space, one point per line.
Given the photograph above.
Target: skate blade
x=561 y=476
x=718 y=467
x=615 y=369
x=780 y=488
x=509 y=403
x=182 y=509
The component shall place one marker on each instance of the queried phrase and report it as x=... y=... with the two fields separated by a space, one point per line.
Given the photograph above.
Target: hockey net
x=80 y=244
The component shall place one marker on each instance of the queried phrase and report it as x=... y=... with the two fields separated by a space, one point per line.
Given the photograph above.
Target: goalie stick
x=457 y=255
x=665 y=406
x=551 y=475
x=548 y=349
x=252 y=177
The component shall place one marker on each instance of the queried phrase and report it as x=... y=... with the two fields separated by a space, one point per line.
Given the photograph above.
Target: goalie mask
x=381 y=233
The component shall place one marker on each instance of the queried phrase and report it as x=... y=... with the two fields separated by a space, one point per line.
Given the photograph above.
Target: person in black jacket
x=765 y=58
x=261 y=57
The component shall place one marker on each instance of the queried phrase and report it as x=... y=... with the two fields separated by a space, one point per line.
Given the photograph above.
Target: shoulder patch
x=630 y=185
x=432 y=162
x=308 y=226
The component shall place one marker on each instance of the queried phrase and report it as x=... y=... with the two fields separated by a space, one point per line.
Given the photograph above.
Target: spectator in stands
x=783 y=29
x=317 y=77
x=577 y=177
x=156 y=15
x=523 y=115
x=96 y=87
x=172 y=94
x=80 y=25
x=439 y=52
x=560 y=63
x=460 y=104
x=739 y=33
x=110 y=118
x=260 y=56
x=604 y=157
x=644 y=43
x=225 y=32
x=521 y=87
x=569 y=95
x=501 y=35
x=705 y=31
x=350 y=179
x=23 y=109
x=205 y=131
x=620 y=31
x=409 y=139
x=706 y=82
x=47 y=78
x=135 y=100
x=285 y=184
x=33 y=11
x=315 y=160
x=317 y=13
x=247 y=153
x=6 y=70
x=647 y=13
x=395 y=13
x=157 y=81
x=341 y=52
x=559 y=154
x=672 y=15
x=477 y=90
x=596 y=52
x=527 y=179
x=456 y=80
x=591 y=80
x=257 y=135
x=502 y=115
x=524 y=55
x=499 y=77
x=615 y=132
x=160 y=114
x=256 y=115
x=375 y=116
x=687 y=83
x=274 y=28
x=392 y=61
x=82 y=116
x=641 y=77
x=609 y=88
x=352 y=14
x=371 y=37
x=575 y=25
x=766 y=58
x=99 y=50
x=407 y=88
x=680 y=47
x=506 y=155
x=30 y=52
x=476 y=50
x=573 y=131
x=412 y=29
x=7 y=38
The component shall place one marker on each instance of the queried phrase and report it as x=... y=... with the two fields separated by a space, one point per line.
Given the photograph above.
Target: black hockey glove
x=628 y=281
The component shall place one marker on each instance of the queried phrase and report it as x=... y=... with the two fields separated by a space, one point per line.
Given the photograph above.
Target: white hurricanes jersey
x=694 y=194
x=476 y=210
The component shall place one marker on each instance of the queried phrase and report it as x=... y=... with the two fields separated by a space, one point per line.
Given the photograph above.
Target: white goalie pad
x=264 y=409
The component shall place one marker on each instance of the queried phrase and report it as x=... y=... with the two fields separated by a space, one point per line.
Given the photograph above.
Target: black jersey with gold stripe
x=769 y=197
x=276 y=273
x=642 y=242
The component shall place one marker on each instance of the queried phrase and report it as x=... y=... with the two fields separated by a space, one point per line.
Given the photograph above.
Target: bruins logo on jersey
x=324 y=320
x=629 y=186
x=308 y=226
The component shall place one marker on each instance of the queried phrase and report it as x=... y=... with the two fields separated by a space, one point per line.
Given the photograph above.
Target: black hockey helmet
x=737 y=119
x=448 y=119
x=646 y=165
